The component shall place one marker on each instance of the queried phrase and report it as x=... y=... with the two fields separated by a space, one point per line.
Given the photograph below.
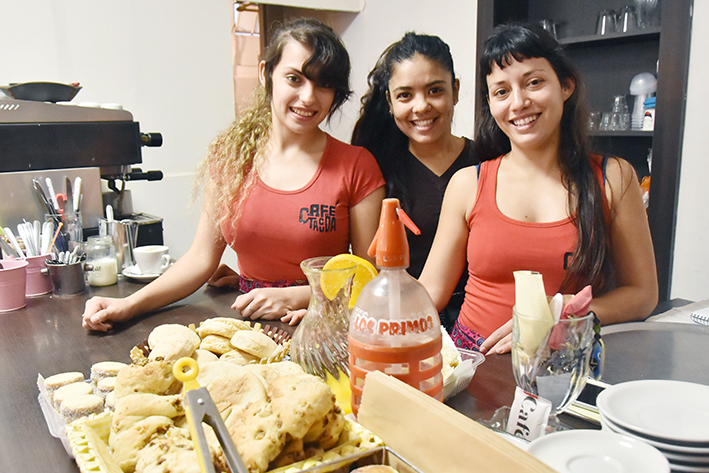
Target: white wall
x=690 y=278
x=168 y=62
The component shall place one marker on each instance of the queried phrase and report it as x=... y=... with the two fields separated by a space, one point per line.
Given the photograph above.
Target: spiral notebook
x=700 y=316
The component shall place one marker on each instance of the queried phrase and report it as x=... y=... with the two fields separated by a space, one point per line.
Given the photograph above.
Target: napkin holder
x=433 y=436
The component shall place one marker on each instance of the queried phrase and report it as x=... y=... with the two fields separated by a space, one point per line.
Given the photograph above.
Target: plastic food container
x=463 y=373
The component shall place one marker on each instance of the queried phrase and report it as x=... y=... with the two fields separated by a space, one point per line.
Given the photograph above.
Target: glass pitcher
x=319 y=344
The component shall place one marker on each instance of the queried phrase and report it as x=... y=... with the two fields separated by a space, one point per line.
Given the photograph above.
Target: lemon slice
x=332 y=282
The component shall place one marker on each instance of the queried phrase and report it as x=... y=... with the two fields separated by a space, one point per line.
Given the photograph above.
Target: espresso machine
x=62 y=141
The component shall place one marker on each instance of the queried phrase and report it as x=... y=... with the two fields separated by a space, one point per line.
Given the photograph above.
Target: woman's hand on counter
x=273 y=303
x=499 y=341
x=292 y=317
x=224 y=276
x=100 y=313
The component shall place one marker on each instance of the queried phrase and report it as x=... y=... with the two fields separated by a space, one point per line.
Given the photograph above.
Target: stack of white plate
x=672 y=416
x=594 y=451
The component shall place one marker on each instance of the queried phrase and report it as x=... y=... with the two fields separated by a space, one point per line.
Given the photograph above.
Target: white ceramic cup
x=152 y=259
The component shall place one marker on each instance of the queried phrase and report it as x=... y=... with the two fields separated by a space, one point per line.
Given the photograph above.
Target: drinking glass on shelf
x=557 y=370
x=606 y=23
x=627 y=19
x=549 y=26
x=594 y=120
x=620 y=105
x=605 y=124
x=619 y=121
x=648 y=13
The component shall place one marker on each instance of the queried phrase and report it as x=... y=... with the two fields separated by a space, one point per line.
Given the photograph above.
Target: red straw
x=56 y=234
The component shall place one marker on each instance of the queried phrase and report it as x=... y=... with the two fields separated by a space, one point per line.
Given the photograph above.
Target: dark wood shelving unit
x=608 y=63
x=619 y=134
x=652 y=33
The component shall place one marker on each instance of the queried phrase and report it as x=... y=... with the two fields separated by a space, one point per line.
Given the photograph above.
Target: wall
x=690 y=277
x=167 y=62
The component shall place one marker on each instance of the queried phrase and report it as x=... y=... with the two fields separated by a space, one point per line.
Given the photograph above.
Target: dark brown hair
x=590 y=262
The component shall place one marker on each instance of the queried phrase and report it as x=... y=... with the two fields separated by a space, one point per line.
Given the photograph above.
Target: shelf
x=639 y=35
x=625 y=133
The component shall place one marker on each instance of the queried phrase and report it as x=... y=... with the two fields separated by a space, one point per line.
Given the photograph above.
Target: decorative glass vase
x=319 y=344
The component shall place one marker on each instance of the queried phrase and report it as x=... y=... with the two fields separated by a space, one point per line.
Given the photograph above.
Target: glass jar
x=101 y=262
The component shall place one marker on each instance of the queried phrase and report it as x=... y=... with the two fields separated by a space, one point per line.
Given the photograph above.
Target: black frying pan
x=41 y=91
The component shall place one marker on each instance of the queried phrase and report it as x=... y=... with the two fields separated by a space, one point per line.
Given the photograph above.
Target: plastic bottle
x=394 y=326
x=649 y=118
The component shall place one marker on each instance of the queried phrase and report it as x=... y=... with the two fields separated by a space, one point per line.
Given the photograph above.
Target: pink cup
x=38 y=282
x=12 y=284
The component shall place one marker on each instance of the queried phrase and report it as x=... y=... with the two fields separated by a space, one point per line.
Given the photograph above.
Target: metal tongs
x=201 y=408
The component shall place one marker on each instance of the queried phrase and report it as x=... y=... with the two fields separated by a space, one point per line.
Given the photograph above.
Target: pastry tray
x=88 y=439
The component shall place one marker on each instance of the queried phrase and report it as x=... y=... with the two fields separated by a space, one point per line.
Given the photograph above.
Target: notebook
x=700 y=316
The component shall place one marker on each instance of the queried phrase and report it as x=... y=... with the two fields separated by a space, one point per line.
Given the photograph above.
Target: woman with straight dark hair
x=279 y=190
x=541 y=200
x=405 y=122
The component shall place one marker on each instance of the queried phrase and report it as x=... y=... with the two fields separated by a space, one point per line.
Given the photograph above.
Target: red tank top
x=499 y=245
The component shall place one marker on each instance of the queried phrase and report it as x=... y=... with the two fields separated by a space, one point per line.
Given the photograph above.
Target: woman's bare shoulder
x=465 y=176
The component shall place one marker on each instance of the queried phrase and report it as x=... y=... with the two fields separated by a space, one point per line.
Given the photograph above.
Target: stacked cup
x=13 y=277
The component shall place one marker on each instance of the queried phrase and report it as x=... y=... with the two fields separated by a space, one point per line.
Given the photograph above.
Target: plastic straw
x=56 y=234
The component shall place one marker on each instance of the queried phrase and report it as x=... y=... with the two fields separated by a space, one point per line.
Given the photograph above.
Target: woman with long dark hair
x=279 y=190
x=405 y=122
x=540 y=201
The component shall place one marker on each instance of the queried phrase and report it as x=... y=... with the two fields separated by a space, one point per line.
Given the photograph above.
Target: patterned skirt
x=465 y=338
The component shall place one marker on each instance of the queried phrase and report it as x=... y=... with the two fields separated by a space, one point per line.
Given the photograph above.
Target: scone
x=216 y=344
x=76 y=407
x=202 y=357
x=239 y=357
x=172 y=342
x=127 y=443
x=254 y=343
x=153 y=377
x=147 y=404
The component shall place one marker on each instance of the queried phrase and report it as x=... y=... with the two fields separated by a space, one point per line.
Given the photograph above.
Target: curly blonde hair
x=229 y=170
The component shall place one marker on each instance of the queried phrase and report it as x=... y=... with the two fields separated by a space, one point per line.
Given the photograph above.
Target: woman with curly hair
x=278 y=189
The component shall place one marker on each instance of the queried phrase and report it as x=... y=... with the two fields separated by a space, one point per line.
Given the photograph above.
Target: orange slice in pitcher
x=331 y=283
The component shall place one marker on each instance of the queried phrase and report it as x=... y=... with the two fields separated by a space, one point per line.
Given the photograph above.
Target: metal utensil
x=52 y=194
x=13 y=242
x=39 y=192
x=201 y=408
x=69 y=202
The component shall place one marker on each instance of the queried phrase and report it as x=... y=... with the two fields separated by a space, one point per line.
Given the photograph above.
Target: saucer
x=132 y=272
x=582 y=451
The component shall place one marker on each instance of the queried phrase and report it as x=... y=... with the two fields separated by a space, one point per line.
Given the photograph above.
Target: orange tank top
x=499 y=245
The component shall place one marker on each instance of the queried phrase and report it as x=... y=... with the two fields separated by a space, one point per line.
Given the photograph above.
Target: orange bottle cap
x=390 y=246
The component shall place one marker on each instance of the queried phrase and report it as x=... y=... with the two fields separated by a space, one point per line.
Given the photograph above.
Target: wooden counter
x=46 y=337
